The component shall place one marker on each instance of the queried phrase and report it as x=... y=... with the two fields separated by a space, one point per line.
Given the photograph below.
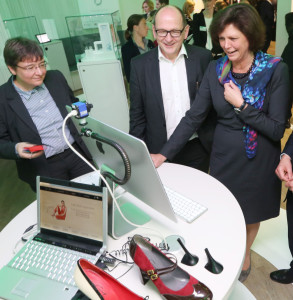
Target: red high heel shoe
x=171 y=281
x=99 y=285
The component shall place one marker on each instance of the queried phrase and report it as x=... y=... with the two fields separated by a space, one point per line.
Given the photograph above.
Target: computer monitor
x=144 y=183
x=43 y=38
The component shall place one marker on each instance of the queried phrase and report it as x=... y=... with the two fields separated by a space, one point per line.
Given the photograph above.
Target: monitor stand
x=117 y=226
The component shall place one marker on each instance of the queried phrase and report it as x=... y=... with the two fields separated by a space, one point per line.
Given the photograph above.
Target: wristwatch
x=240 y=108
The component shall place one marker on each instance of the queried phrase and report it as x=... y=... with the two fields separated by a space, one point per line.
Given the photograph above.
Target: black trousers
x=289 y=212
x=194 y=155
x=67 y=165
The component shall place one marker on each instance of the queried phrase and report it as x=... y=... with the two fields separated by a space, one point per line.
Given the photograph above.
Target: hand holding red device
x=34 y=149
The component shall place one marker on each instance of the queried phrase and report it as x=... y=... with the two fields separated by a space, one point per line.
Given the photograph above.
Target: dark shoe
x=99 y=285
x=282 y=276
x=172 y=282
x=244 y=274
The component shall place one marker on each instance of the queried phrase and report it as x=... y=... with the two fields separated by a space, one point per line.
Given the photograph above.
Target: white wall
x=284 y=6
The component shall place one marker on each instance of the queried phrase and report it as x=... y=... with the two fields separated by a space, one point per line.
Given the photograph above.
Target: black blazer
x=147 y=117
x=266 y=12
x=130 y=50
x=199 y=36
x=16 y=125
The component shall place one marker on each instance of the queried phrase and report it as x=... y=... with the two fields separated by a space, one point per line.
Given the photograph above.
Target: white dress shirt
x=174 y=89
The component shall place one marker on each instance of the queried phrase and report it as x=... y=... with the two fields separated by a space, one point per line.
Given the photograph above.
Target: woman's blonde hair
x=150 y=4
x=186 y=6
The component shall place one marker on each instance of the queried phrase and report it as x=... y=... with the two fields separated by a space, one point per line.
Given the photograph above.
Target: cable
x=74 y=113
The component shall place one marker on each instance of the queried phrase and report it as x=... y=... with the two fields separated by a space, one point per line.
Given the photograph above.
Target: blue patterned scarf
x=253 y=91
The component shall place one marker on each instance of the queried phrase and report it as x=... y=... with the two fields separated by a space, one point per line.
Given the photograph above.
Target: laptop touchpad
x=24 y=287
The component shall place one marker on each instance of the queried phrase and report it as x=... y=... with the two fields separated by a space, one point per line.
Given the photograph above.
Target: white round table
x=221 y=229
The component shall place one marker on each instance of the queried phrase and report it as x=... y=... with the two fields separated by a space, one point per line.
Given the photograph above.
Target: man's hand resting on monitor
x=158 y=159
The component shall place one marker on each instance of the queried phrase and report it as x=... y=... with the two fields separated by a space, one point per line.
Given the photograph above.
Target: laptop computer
x=72 y=223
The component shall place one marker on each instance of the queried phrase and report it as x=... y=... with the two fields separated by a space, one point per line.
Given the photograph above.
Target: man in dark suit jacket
x=32 y=111
x=284 y=172
x=153 y=97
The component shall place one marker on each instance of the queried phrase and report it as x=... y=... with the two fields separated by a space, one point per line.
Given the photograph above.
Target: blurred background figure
x=266 y=11
x=148 y=7
x=287 y=54
x=188 y=9
x=217 y=49
x=219 y=4
x=160 y=3
x=136 y=44
x=201 y=23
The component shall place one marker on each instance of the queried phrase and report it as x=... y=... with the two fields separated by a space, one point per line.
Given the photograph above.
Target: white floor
x=272 y=244
x=272 y=241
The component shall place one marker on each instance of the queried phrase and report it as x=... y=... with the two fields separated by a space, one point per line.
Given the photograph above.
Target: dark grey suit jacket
x=16 y=125
x=147 y=117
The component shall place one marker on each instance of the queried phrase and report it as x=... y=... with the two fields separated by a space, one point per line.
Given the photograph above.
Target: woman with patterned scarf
x=249 y=90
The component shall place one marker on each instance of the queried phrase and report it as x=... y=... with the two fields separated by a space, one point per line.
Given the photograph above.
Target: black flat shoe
x=282 y=276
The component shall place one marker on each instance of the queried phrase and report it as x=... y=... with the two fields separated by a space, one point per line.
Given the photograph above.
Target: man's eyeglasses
x=174 y=33
x=33 y=68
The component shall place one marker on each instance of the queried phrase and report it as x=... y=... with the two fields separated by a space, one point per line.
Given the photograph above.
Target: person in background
x=160 y=3
x=287 y=54
x=148 y=7
x=284 y=169
x=219 y=4
x=188 y=9
x=266 y=11
x=33 y=107
x=250 y=92
x=201 y=23
x=163 y=84
x=284 y=172
x=136 y=44
x=217 y=49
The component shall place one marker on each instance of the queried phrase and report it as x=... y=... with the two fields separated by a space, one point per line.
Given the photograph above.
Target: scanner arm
x=121 y=151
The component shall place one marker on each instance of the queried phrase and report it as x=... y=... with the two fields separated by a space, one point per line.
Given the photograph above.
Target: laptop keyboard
x=184 y=207
x=50 y=261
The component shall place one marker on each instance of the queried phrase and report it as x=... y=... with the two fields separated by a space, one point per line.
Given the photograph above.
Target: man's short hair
x=184 y=23
x=164 y=2
x=19 y=49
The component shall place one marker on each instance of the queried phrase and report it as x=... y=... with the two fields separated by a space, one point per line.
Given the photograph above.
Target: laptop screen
x=70 y=210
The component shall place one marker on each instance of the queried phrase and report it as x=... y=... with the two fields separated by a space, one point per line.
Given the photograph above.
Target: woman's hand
x=158 y=159
x=232 y=94
x=21 y=150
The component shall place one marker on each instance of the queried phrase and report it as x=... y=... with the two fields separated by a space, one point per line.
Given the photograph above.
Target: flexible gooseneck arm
x=120 y=150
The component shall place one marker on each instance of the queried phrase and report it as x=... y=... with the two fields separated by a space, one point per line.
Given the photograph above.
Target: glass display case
x=26 y=27
x=95 y=37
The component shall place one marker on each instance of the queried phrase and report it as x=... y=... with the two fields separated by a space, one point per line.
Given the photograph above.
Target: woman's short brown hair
x=246 y=19
x=19 y=49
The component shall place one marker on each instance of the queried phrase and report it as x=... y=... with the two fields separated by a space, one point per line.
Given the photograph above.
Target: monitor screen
x=43 y=38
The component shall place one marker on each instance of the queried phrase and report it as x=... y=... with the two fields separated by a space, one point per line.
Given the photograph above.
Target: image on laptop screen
x=43 y=38
x=71 y=211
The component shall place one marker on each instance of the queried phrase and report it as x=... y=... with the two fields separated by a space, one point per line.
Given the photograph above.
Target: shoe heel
x=144 y=277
